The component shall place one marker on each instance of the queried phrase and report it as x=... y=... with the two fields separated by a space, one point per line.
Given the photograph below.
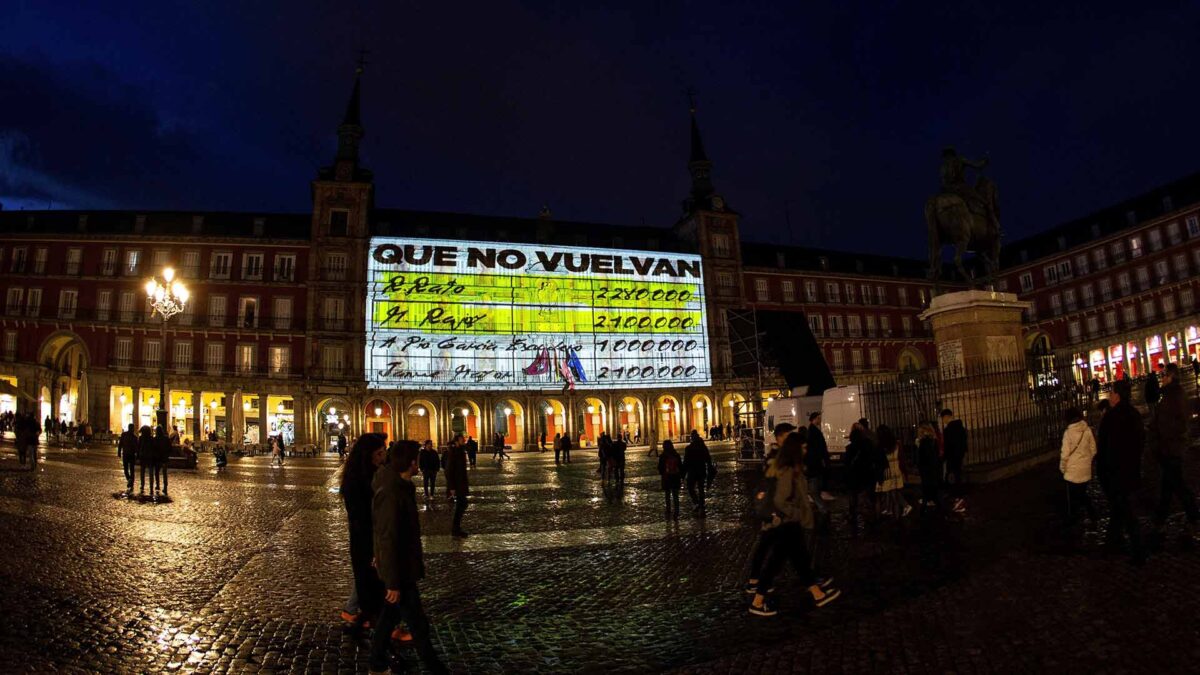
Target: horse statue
x=965 y=216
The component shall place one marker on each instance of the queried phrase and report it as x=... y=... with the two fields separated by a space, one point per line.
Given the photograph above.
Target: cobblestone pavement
x=244 y=572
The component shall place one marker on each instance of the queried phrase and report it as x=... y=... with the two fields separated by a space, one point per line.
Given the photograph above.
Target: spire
x=350 y=131
x=700 y=167
x=351 y=118
x=698 y=154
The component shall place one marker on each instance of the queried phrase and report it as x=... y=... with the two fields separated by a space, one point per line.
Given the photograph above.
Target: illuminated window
x=151 y=353
x=789 y=290
x=833 y=292
x=103 y=304
x=123 y=351
x=222 y=264
x=280 y=360
x=39 y=260
x=283 y=313
x=183 y=355
x=817 y=325
x=810 y=291
x=761 y=291
x=33 y=302
x=133 y=262
x=246 y=359
x=214 y=357
x=108 y=262
x=68 y=300
x=252 y=266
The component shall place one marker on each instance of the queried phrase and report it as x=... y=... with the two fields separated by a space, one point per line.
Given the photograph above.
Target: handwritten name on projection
x=550 y=261
x=435 y=318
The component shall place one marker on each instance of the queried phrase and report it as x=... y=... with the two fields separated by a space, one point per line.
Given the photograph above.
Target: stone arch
x=331 y=414
x=702 y=414
x=421 y=421
x=910 y=359
x=465 y=418
x=631 y=418
x=508 y=417
x=378 y=416
x=65 y=355
x=669 y=418
x=551 y=418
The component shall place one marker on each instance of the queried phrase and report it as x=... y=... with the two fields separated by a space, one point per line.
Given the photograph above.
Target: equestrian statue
x=964 y=216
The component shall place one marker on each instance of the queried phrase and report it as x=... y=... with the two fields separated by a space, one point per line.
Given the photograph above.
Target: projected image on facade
x=485 y=315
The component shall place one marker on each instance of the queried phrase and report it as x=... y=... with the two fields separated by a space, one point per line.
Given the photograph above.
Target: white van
x=840 y=408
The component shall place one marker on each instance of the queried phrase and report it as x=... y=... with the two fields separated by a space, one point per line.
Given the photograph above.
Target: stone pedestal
x=976 y=330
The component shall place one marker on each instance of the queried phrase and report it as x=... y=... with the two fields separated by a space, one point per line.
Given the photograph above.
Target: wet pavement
x=245 y=571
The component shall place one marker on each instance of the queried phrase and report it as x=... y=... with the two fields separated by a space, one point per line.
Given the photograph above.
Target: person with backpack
x=1075 y=463
x=670 y=467
x=861 y=472
x=697 y=465
x=759 y=556
x=127 y=447
x=783 y=507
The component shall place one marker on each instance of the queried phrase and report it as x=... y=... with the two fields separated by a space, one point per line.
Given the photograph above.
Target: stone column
x=198 y=412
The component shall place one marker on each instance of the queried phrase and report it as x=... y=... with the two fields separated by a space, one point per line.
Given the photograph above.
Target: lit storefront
x=281 y=418
x=1136 y=355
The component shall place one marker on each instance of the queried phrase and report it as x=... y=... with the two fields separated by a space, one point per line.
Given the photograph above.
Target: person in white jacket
x=1075 y=463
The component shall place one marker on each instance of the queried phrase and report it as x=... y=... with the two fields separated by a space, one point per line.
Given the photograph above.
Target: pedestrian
x=398 y=555
x=1075 y=463
x=759 y=555
x=602 y=447
x=1152 y=390
x=542 y=442
x=891 y=489
x=430 y=464
x=670 y=468
x=127 y=450
x=276 y=452
x=861 y=472
x=652 y=441
x=27 y=430
x=616 y=451
x=146 y=459
x=341 y=446
x=816 y=464
x=954 y=444
x=162 y=455
x=1094 y=388
x=367 y=455
x=1170 y=425
x=929 y=465
x=566 y=448
x=1119 y=467
x=498 y=447
x=457 y=486
x=697 y=464
x=784 y=534
x=557 y=448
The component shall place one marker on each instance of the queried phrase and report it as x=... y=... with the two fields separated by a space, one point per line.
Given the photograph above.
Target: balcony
x=333 y=273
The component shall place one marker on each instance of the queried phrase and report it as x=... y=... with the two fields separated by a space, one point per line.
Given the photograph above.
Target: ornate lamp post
x=167 y=298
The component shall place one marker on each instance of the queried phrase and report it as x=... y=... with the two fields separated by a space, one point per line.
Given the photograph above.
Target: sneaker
x=348 y=617
x=829 y=596
x=823 y=582
x=907 y=510
x=767 y=608
x=401 y=635
x=751 y=587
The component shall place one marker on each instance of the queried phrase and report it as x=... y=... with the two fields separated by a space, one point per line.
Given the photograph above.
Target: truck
x=840 y=408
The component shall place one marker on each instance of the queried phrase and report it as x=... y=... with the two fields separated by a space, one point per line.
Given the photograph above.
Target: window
x=183 y=355
x=1027 y=282
x=720 y=242
x=1168 y=305
x=873 y=358
x=839 y=360
x=1081 y=264
x=12 y=305
x=108 y=262
x=1179 y=261
x=1135 y=247
x=854 y=326
x=902 y=292
x=833 y=292
x=906 y=325
x=1118 y=252
x=761 y=291
x=789 y=290
x=339 y=223
x=1173 y=233
x=1129 y=314
x=248 y=312
x=856 y=359
x=1064 y=270
x=333 y=359
x=221 y=265
x=870 y=319
x=1162 y=272
x=125 y=311
x=214 y=357
x=103 y=304
x=1148 y=310
x=188 y=315
x=245 y=359
x=850 y=294
x=923 y=296
x=1087 y=295
x=1069 y=299
x=817 y=326
x=160 y=259
x=285 y=267
x=1143 y=278
x=123 y=351
x=133 y=262
x=880 y=295
x=835 y=326
x=1187 y=300
x=216 y=310
x=1193 y=226
x=1050 y=272
x=810 y=291
x=865 y=292
x=10 y=345
x=74 y=261
x=885 y=326
x=1155 y=239
x=334 y=313
x=1073 y=331
x=151 y=353
x=68 y=300
x=725 y=279
x=279 y=360
x=1101 y=257
x=39 y=260
x=18 y=260
x=1106 y=293
x=1110 y=321
x=283 y=313
x=1056 y=304
x=1123 y=283
x=252 y=266
x=33 y=302
x=1093 y=325
x=190 y=265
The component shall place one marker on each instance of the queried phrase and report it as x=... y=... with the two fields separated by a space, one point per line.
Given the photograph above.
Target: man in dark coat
x=954 y=444
x=398 y=555
x=1171 y=442
x=861 y=476
x=145 y=455
x=1152 y=391
x=472 y=450
x=341 y=445
x=697 y=463
x=566 y=448
x=127 y=447
x=816 y=460
x=1119 y=465
x=456 y=482
x=162 y=455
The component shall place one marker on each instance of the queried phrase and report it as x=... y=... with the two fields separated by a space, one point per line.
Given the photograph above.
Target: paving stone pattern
x=245 y=571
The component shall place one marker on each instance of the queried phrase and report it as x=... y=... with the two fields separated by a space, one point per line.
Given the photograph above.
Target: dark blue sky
x=833 y=114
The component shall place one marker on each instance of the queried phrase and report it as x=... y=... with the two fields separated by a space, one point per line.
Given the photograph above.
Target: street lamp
x=167 y=297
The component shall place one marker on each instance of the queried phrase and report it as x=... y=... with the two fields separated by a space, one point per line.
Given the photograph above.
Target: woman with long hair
x=891 y=488
x=367 y=455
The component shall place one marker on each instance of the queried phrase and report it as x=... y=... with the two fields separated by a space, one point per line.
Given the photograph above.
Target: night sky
x=830 y=117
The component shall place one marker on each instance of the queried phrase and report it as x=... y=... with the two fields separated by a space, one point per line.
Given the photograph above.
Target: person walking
x=145 y=455
x=816 y=460
x=26 y=430
x=784 y=534
x=162 y=455
x=670 y=468
x=652 y=441
x=542 y=442
x=697 y=463
x=341 y=446
x=430 y=463
x=861 y=472
x=890 y=491
x=1152 y=390
x=127 y=450
x=602 y=447
x=616 y=451
x=456 y=483
x=558 y=448
x=367 y=455
x=954 y=449
x=566 y=448
x=472 y=450
x=929 y=465
x=1119 y=467
x=398 y=555
x=1170 y=424
x=1075 y=464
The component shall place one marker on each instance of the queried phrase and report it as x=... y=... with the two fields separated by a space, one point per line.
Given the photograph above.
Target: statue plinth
x=976 y=330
